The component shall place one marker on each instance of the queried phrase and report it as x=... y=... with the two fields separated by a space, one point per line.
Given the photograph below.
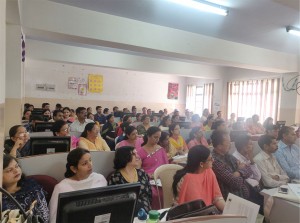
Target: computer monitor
x=113 y=204
x=119 y=114
x=43 y=126
x=128 y=114
x=49 y=144
x=280 y=124
x=37 y=111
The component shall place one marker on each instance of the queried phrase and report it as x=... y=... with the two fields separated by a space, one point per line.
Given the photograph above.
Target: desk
x=282 y=211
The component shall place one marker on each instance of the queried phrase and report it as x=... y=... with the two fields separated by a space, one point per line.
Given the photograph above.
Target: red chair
x=48 y=183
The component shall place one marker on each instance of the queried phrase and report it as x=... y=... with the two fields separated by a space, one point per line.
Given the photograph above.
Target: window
x=246 y=98
x=199 y=97
x=199 y=100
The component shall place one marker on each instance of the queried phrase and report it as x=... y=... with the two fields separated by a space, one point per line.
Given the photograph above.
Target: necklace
x=130 y=178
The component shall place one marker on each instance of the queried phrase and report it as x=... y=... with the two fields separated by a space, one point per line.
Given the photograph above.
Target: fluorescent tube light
x=203 y=6
x=293 y=30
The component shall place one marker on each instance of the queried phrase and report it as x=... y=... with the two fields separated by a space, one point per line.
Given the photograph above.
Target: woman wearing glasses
x=24 y=190
x=18 y=143
x=61 y=128
x=126 y=163
x=197 y=180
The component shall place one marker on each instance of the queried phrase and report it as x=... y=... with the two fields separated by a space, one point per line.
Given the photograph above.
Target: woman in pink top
x=197 y=180
x=152 y=154
x=196 y=138
x=131 y=138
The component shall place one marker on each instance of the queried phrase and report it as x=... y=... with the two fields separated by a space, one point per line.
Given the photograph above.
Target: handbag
x=191 y=209
x=19 y=215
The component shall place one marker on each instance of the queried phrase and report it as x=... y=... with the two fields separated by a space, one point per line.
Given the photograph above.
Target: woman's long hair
x=151 y=131
x=196 y=155
x=192 y=133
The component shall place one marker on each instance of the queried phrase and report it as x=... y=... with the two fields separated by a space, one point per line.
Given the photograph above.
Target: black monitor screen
x=49 y=144
x=43 y=126
x=113 y=204
x=37 y=111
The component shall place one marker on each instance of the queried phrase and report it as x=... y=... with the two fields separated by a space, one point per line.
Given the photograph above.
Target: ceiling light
x=293 y=30
x=203 y=6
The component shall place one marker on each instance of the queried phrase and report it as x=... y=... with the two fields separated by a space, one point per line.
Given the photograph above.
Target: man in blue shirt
x=99 y=117
x=288 y=153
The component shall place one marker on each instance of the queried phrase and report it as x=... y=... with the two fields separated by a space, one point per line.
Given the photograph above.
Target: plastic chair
x=166 y=173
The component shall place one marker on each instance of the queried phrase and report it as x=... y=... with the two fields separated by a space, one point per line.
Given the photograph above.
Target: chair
x=48 y=183
x=166 y=173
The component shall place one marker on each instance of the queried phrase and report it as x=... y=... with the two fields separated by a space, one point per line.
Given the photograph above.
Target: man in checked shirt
x=230 y=173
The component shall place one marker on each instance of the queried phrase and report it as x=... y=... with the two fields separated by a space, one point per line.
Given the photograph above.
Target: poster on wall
x=72 y=83
x=82 y=89
x=173 y=91
x=95 y=83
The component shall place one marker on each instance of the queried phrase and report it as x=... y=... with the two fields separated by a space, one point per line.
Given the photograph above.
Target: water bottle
x=141 y=216
x=153 y=216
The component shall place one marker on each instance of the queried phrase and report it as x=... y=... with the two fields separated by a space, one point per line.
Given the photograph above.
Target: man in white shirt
x=244 y=154
x=79 y=124
x=272 y=174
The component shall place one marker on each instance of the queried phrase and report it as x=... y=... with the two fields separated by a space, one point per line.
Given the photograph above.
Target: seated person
x=197 y=180
x=79 y=175
x=127 y=164
x=268 y=122
x=196 y=138
x=272 y=130
x=244 y=154
x=61 y=128
x=219 y=116
x=256 y=126
x=47 y=115
x=177 y=142
x=231 y=121
x=152 y=154
x=164 y=142
x=57 y=115
x=131 y=138
x=165 y=123
x=109 y=131
x=91 y=140
x=249 y=126
x=24 y=190
x=126 y=119
x=288 y=153
x=79 y=124
x=230 y=173
x=219 y=125
x=142 y=128
x=196 y=121
x=271 y=173
x=138 y=117
x=26 y=115
x=208 y=123
x=18 y=143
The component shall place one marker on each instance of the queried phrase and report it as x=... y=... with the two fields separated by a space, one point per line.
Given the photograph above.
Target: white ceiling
x=259 y=23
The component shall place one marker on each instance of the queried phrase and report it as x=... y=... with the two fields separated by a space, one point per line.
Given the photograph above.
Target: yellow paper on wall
x=95 y=83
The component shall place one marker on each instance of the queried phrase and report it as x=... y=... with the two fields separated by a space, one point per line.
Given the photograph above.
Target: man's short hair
x=97 y=107
x=217 y=137
x=80 y=109
x=241 y=141
x=265 y=140
x=284 y=131
x=45 y=104
x=55 y=112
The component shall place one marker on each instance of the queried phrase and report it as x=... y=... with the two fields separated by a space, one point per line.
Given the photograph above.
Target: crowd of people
x=211 y=172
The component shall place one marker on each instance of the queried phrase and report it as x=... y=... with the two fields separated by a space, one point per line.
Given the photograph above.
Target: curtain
x=246 y=98
x=208 y=96
x=190 y=97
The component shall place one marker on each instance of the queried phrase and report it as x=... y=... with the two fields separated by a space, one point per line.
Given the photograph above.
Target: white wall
x=121 y=87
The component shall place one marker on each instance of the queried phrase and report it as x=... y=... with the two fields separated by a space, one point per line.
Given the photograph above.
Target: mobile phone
x=283 y=190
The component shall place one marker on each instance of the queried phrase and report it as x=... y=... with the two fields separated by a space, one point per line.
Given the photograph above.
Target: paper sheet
x=239 y=206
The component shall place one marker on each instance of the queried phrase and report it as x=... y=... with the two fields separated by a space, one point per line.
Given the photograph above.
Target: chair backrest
x=48 y=183
x=166 y=173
